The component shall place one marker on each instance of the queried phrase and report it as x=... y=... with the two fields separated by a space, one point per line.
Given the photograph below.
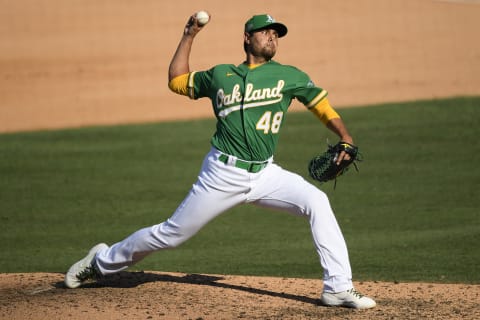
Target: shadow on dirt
x=134 y=279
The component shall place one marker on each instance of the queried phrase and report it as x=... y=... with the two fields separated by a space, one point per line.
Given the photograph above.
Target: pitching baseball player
x=250 y=101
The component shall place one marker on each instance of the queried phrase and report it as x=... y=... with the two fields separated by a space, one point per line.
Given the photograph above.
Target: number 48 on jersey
x=267 y=123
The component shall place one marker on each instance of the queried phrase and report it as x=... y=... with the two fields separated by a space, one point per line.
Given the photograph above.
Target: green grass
x=410 y=214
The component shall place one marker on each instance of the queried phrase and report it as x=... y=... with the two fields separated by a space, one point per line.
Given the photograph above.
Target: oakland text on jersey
x=252 y=98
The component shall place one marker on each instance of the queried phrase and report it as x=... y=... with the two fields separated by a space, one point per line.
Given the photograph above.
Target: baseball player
x=250 y=101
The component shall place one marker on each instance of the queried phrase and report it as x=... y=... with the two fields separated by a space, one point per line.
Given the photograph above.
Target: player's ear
x=246 y=37
x=246 y=41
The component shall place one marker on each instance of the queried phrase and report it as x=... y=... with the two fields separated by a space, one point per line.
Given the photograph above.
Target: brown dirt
x=78 y=63
x=155 y=295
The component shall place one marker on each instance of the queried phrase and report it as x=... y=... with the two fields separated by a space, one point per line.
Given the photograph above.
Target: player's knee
x=317 y=202
x=173 y=242
x=170 y=236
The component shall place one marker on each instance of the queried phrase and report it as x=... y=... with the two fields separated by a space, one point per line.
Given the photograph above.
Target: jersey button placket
x=245 y=115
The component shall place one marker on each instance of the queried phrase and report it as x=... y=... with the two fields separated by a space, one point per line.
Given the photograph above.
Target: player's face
x=262 y=44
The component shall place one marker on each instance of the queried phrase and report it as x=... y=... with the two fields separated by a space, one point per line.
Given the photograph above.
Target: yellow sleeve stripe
x=191 y=88
x=317 y=99
x=179 y=84
x=324 y=111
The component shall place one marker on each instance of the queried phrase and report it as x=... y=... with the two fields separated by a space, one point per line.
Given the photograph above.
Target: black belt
x=253 y=167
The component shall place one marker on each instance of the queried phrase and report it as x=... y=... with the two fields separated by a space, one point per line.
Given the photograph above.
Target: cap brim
x=280 y=27
x=277 y=26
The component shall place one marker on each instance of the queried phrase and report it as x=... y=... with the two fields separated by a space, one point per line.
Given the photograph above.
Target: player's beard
x=267 y=52
x=261 y=53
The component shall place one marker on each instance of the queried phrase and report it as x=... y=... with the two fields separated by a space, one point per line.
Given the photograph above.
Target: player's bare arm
x=324 y=111
x=338 y=127
x=180 y=61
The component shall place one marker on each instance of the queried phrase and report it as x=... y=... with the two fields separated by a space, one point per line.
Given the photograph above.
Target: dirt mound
x=161 y=295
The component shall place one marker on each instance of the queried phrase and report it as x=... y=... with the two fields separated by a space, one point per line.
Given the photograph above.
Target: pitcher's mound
x=162 y=295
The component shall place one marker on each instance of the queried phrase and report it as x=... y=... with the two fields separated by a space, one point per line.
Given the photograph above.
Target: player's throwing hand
x=195 y=24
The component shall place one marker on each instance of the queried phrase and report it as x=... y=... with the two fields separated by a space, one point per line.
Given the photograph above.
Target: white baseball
x=202 y=18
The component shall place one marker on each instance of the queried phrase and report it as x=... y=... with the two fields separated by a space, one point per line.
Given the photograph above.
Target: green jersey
x=250 y=104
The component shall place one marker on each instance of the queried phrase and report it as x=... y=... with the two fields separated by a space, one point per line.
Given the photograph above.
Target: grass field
x=410 y=214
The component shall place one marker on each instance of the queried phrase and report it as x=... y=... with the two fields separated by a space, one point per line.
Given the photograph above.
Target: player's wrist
x=347 y=138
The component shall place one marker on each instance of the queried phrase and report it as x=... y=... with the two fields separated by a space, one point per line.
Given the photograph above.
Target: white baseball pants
x=222 y=186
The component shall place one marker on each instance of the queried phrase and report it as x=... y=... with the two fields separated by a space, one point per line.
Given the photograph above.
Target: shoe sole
x=329 y=302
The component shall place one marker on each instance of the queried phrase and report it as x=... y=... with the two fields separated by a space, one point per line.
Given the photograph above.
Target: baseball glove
x=324 y=168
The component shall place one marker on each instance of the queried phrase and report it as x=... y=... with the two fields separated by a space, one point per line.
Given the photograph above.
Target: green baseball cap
x=264 y=21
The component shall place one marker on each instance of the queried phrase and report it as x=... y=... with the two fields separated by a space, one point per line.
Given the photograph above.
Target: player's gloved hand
x=334 y=162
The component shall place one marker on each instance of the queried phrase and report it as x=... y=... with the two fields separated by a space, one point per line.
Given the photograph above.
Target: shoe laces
x=355 y=293
x=89 y=272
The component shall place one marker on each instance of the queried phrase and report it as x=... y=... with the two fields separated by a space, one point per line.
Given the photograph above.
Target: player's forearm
x=180 y=61
x=338 y=127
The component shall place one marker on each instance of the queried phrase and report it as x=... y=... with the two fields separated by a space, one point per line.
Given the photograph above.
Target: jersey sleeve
x=306 y=91
x=199 y=84
x=312 y=96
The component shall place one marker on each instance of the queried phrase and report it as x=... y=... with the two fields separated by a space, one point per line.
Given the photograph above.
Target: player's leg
x=286 y=191
x=217 y=189
x=283 y=190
